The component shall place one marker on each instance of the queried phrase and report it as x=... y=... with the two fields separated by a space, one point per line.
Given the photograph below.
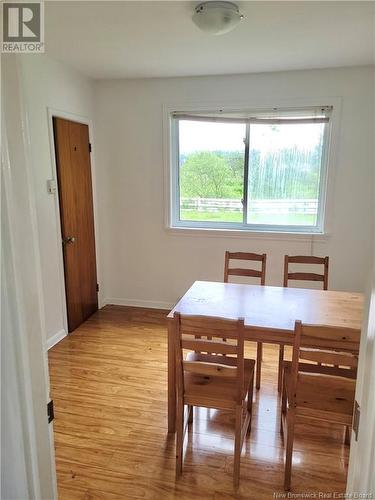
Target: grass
x=226 y=216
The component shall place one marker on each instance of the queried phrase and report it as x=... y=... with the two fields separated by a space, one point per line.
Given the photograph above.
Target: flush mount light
x=217 y=18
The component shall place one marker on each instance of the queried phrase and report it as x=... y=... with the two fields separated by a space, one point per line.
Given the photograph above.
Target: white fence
x=280 y=206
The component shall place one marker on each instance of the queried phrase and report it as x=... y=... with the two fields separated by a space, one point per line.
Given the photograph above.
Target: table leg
x=171 y=378
x=259 y=364
x=280 y=372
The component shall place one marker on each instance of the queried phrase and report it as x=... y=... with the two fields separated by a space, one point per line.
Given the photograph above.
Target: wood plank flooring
x=109 y=385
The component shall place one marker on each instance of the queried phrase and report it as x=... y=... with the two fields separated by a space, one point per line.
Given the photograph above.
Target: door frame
x=25 y=287
x=58 y=113
x=362 y=450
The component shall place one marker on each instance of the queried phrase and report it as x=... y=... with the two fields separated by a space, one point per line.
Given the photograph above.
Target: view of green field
x=226 y=216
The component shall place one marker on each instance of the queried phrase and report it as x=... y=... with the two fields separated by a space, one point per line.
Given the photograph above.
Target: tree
x=205 y=175
x=284 y=174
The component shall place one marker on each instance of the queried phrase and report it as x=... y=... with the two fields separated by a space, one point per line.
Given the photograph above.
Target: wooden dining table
x=269 y=313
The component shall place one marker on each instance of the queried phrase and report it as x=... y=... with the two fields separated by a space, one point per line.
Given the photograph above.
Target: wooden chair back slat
x=203 y=326
x=334 y=371
x=330 y=338
x=253 y=273
x=329 y=357
x=327 y=340
x=201 y=334
x=248 y=256
x=210 y=369
x=209 y=346
x=306 y=259
x=306 y=276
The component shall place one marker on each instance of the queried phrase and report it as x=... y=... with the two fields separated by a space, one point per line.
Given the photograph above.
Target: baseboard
x=55 y=339
x=152 y=304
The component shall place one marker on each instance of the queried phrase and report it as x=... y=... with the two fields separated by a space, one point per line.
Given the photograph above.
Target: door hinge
x=356 y=419
x=50 y=411
x=97 y=287
x=90 y=148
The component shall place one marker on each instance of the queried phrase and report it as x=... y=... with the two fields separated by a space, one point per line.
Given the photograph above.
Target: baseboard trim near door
x=55 y=339
x=151 y=304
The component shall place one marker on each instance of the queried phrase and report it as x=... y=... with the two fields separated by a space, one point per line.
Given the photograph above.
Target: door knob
x=68 y=239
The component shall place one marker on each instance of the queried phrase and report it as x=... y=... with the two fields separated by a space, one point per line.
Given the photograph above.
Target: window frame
x=171 y=148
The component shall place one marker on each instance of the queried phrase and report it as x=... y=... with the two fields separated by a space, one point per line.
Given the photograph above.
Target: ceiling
x=121 y=39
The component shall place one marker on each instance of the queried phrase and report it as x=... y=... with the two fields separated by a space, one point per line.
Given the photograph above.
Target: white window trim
x=242 y=230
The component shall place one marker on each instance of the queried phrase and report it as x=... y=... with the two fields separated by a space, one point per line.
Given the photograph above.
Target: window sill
x=246 y=234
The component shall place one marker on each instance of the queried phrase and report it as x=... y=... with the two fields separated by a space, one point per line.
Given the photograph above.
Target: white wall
x=47 y=83
x=146 y=265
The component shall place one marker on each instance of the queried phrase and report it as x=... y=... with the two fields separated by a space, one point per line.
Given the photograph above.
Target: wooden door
x=77 y=219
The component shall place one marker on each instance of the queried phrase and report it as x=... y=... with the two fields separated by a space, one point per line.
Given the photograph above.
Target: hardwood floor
x=109 y=385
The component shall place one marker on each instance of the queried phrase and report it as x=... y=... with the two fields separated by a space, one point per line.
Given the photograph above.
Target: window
x=265 y=171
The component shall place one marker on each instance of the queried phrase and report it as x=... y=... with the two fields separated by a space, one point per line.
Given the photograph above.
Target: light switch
x=51 y=186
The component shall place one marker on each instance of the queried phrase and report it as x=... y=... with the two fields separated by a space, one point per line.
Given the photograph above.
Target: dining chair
x=301 y=276
x=251 y=273
x=319 y=382
x=212 y=374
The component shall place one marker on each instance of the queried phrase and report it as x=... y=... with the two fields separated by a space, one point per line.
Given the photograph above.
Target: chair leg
x=179 y=436
x=290 y=419
x=190 y=413
x=259 y=363
x=280 y=372
x=237 y=447
x=347 y=435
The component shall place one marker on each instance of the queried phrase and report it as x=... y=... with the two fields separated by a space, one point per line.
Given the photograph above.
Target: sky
x=212 y=136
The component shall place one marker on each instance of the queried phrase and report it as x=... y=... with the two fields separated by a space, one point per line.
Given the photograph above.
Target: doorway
x=73 y=165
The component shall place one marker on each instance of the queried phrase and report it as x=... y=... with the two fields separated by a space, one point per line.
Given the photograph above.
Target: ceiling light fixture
x=217 y=18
